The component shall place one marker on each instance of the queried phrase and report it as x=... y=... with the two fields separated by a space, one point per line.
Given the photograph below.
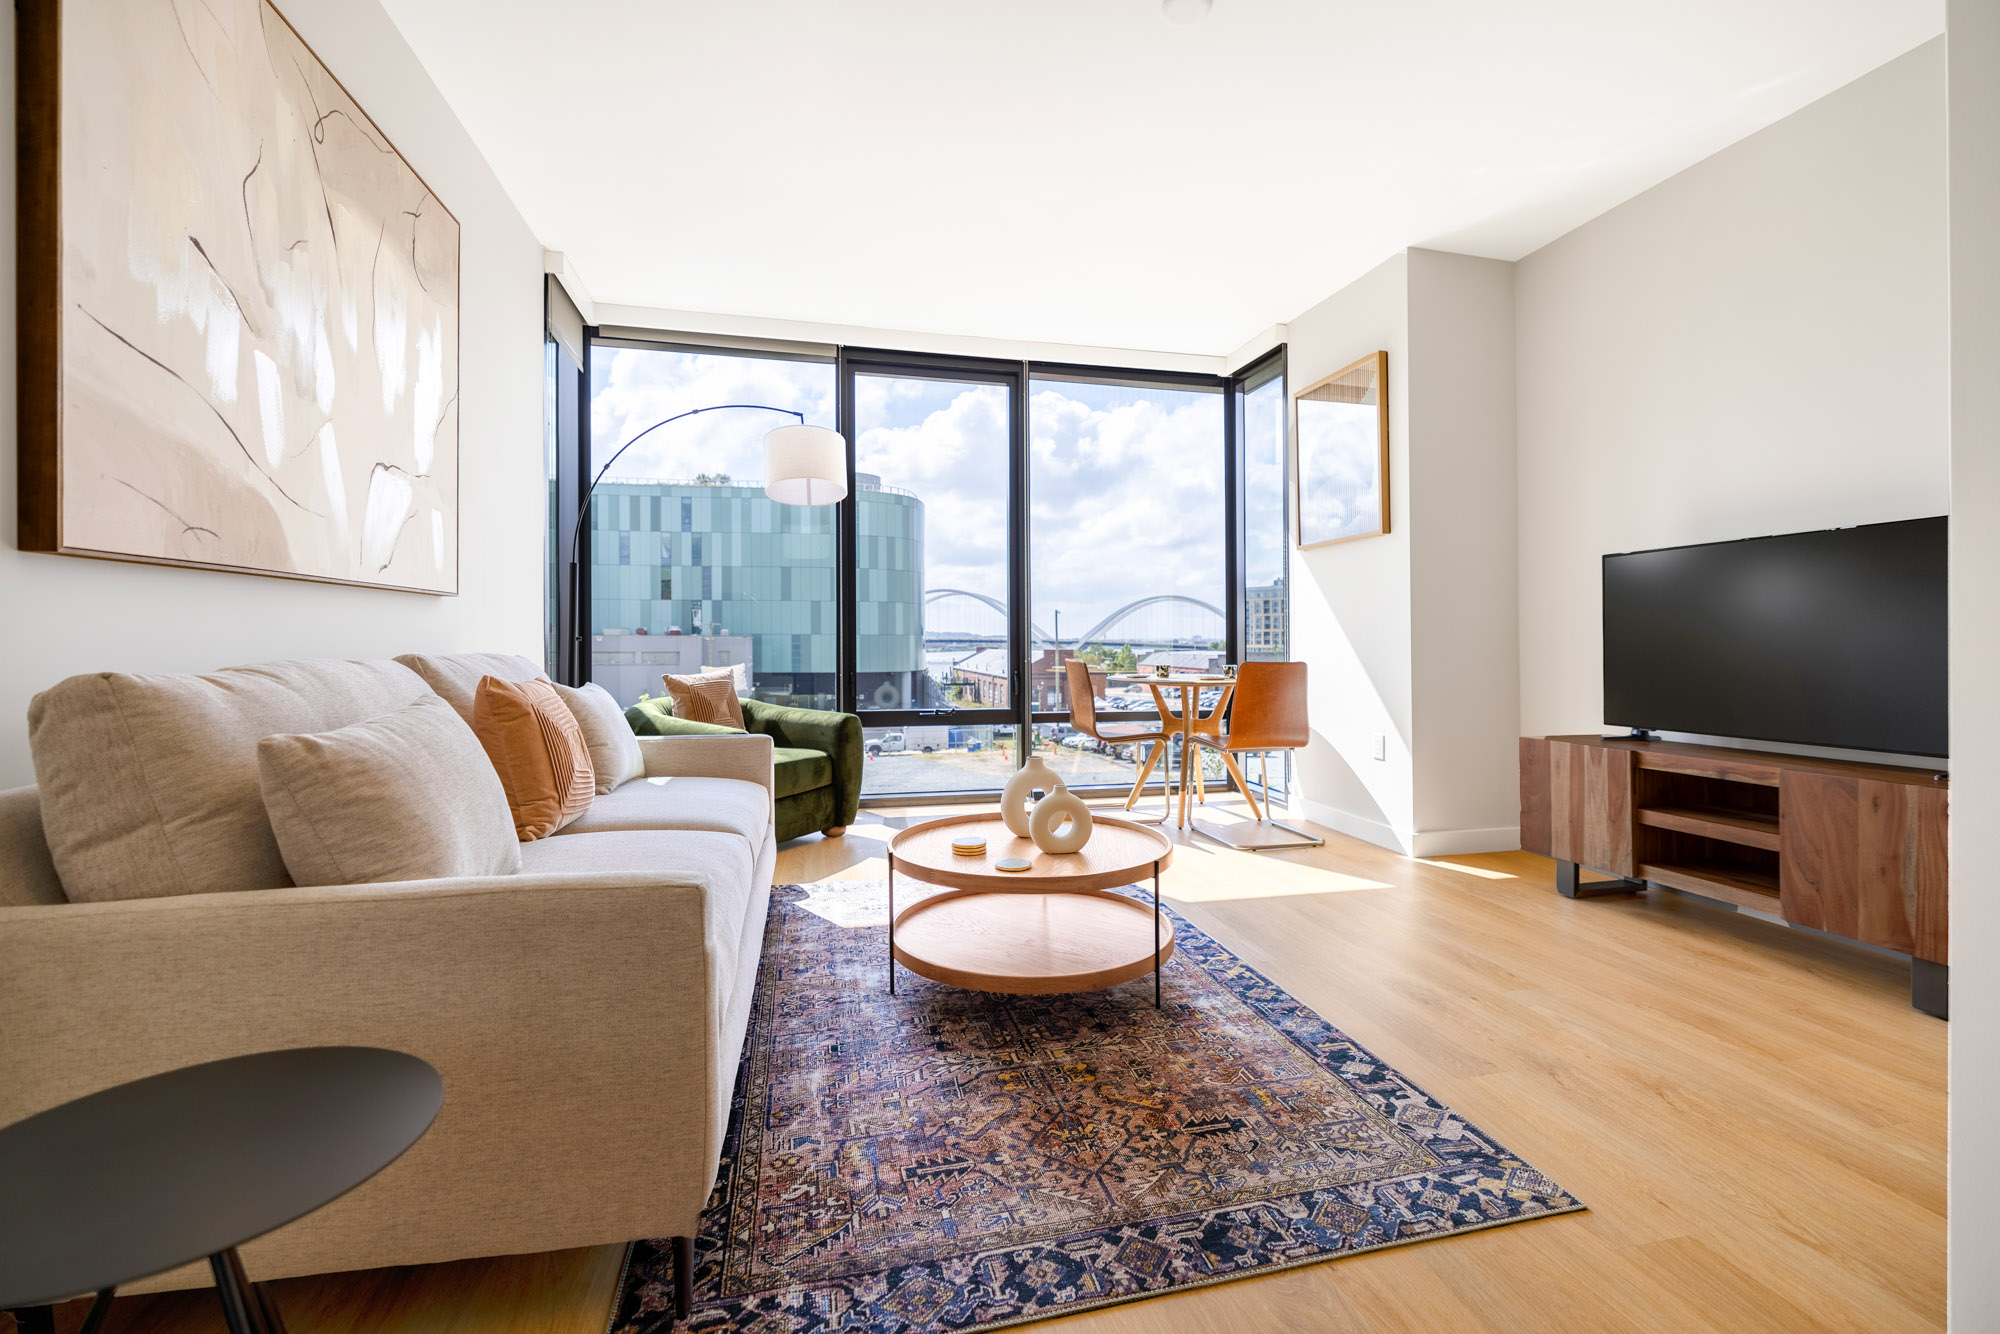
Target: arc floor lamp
x=803 y=465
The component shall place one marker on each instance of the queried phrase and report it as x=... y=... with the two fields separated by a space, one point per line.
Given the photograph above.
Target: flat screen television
x=1834 y=638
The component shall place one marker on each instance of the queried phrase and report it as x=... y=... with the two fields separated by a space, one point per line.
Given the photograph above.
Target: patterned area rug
x=953 y=1160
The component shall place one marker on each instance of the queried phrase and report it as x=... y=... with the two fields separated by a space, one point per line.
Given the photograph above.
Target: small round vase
x=1045 y=822
x=1014 y=797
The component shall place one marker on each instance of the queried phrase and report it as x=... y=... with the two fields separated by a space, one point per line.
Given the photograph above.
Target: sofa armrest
x=730 y=755
x=530 y=994
x=837 y=735
x=655 y=717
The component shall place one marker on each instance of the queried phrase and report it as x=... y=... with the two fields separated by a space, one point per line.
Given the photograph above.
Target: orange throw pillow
x=538 y=750
x=706 y=699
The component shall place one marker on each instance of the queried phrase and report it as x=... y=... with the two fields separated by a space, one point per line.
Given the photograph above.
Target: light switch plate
x=1381 y=746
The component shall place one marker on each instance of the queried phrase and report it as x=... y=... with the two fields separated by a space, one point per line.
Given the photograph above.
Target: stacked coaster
x=970 y=846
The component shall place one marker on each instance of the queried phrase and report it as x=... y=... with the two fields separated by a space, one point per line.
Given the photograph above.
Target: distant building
x=1266 y=615
x=631 y=665
x=1186 y=661
x=985 y=679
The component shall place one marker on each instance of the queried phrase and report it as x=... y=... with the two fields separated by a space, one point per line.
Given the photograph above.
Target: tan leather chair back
x=1082 y=698
x=1268 y=710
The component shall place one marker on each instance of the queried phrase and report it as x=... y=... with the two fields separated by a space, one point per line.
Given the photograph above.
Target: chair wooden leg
x=1139 y=784
x=1200 y=783
x=1229 y=762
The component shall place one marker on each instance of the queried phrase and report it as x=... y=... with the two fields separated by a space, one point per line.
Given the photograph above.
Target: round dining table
x=1191 y=722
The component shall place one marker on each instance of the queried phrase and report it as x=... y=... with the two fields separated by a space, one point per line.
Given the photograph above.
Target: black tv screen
x=1834 y=638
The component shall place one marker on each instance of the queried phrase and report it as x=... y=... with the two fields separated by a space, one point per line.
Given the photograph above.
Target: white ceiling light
x=1186 y=11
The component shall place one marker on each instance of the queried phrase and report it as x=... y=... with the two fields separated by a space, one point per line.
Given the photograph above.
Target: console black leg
x=1930 y=987
x=1570 y=884
x=684 y=1275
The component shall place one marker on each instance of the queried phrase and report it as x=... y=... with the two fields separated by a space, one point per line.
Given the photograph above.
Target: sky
x=1126 y=482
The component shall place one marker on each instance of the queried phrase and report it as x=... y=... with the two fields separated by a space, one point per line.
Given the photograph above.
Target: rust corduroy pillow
x=706 y=699
x=539 y=752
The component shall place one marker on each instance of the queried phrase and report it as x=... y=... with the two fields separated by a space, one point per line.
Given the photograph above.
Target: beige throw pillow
x=708 y=698
x=614 y=751
x=407 y=796
x=149 y=784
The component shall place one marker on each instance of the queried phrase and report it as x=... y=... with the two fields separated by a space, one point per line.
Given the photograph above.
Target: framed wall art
x=1340 y=453
x=239 y=305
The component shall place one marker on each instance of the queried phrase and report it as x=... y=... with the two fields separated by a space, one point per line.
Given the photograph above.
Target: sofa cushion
x=149 y=784
x=719 y=805
x=614 y=750
x=720 y=865
x=407 y=796
x=796 y=770
x=705 y=699
x=538 y=750
x=455 y=677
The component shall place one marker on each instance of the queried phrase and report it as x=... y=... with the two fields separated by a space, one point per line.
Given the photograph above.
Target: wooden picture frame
x=1340 y=455
x=238 y=306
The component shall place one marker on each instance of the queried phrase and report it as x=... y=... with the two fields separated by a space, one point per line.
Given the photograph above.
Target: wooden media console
x=1852 y=849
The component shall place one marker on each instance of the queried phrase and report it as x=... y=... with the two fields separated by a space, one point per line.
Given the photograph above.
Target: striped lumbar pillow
x=539 y=752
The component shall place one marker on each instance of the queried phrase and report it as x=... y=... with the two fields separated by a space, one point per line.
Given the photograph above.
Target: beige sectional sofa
x=586 y=1013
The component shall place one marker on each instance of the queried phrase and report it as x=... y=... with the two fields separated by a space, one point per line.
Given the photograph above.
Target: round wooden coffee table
x=1055 y=927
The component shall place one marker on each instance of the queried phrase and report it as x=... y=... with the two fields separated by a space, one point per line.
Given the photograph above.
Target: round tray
x=1032 y=944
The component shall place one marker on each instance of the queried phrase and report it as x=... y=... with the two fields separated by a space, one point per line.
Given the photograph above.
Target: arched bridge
x=1096 y=632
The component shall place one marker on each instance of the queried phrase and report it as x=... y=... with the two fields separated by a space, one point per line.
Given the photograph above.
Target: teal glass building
x=717 y=559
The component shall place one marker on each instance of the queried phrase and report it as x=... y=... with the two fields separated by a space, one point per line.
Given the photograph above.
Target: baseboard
x=1381 y=834
x=1454 y=842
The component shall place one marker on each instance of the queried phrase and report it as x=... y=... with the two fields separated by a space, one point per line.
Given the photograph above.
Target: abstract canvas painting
x=1342 y=454
x=239 y=305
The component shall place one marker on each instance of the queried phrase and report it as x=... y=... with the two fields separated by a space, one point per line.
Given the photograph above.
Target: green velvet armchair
x=818 y=757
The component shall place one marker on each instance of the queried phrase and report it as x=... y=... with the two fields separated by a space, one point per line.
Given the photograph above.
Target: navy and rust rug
x=952 y=1160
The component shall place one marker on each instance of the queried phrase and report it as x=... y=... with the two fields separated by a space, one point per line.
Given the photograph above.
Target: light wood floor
x=1754 y=1115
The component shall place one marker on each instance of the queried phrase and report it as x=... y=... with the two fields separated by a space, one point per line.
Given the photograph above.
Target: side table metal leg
x=100 y=1307
x=246 y=1308
x=892 y=925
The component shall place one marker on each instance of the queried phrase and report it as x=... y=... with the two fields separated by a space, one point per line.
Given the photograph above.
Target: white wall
x=1973 y=31
x=61 y=615
x=1351 y=602
x=1756 y=345
x=1464 y=624
x=1411 y=636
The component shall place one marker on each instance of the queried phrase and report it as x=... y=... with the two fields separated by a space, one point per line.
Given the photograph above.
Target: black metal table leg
x=892 y=924
x=246 y=1308
x=100 y=1307
x=1156 y=933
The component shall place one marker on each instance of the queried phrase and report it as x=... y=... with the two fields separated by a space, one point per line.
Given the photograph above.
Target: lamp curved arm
x=583 y=510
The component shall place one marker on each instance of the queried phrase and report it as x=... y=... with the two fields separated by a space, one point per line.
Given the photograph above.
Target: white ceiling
x=1083 y=171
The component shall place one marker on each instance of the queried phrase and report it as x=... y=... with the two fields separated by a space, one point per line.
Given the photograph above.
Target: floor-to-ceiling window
x=1264 y=593
x=692 y=567
x=934 y=646
x=1127 y=553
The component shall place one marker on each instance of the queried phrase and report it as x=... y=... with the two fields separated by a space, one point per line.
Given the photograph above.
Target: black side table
x=154 y=1174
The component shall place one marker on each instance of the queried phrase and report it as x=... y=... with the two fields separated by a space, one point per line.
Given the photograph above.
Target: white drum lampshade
x=805 y=465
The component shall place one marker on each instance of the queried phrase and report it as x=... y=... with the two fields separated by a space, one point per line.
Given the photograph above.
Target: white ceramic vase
x=1014 y=797
x=1046 y=823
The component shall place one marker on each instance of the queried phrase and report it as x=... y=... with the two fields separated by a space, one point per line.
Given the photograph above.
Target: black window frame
x=574 y=460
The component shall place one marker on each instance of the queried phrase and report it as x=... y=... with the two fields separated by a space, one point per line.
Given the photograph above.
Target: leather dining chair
x=1266 y=713
x=1083 y=717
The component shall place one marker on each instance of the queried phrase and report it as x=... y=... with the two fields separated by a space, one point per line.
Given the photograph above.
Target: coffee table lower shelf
x=1028 y=944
